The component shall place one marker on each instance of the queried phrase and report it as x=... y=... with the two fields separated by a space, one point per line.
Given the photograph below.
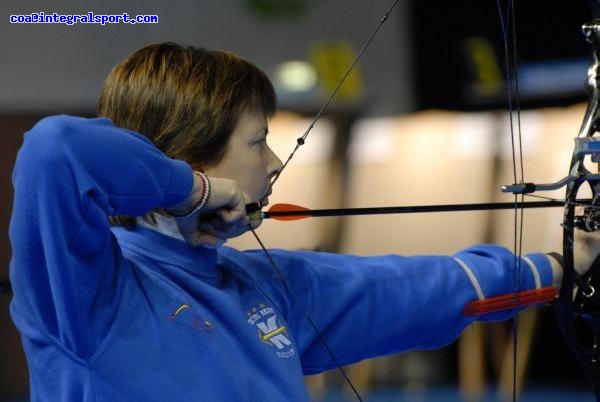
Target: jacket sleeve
x=372 y=306
x=70 y=175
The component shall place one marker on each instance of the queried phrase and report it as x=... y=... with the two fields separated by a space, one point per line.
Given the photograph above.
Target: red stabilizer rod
x=510 y=301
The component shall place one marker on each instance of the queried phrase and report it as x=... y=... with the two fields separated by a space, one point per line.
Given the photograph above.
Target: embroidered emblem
x=271 y=330
x=186 y=316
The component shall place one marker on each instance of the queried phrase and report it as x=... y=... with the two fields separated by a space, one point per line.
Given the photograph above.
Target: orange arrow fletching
x=296 y=212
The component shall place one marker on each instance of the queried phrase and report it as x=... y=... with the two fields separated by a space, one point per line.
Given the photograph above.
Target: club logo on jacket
x=271 y=330
x=186 y=316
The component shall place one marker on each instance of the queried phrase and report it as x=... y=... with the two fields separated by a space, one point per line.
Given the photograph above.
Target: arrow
x=290 y=212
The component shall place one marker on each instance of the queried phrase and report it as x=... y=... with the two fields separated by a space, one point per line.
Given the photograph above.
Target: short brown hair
x=186 y=100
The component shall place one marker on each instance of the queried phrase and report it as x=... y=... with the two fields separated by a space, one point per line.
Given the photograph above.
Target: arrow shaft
x=414 y=209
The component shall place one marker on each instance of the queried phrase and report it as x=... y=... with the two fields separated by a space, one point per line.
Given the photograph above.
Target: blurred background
x=422 y=120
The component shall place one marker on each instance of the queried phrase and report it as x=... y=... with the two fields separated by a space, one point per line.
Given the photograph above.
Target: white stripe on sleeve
x=471 y=277
x=535 y=272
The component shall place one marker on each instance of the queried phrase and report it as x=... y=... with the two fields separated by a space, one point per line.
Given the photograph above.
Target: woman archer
x=125 y=291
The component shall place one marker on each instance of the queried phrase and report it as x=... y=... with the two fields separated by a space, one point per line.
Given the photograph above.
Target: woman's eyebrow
x=262 y=131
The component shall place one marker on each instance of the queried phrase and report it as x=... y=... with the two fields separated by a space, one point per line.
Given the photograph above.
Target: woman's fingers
x=222 y=217
x=586 y=250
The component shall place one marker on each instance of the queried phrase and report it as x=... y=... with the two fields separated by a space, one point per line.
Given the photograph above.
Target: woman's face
x=249 y=160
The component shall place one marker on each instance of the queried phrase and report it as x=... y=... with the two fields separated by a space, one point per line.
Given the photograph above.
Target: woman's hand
x=222 y=217
x=586 y=250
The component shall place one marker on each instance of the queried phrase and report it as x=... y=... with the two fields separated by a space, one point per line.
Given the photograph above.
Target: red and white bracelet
x=201 y=203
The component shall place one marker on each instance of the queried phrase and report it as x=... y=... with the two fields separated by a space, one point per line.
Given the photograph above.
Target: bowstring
x=302 y=139
x=299 y=142
x=522 y=211
x=512 y=81
x=311 y=322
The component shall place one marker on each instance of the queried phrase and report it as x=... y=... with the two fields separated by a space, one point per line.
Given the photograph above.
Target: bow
x=578 y=304
x=578 y=315
x=572 y=313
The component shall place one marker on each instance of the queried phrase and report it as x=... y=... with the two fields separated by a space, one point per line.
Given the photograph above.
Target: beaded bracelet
x=201 y=203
